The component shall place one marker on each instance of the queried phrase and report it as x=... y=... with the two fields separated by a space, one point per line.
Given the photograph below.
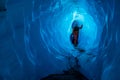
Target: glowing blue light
x=88 y=34
x=77 y=16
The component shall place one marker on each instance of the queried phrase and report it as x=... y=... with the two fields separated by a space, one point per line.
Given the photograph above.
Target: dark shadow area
x=1 y=78
x=70 y=74
x=3 y=9
x=81 y=50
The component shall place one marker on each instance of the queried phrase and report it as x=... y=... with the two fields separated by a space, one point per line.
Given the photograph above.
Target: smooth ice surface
x=35 y=38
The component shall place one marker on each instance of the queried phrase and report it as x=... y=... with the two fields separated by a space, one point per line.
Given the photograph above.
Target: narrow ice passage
x=35 y=38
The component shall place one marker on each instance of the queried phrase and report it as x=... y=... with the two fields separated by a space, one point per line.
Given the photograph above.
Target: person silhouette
x=75 y=34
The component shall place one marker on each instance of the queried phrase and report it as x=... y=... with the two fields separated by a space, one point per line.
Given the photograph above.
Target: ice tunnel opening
x=60 y=31
x=60 y=22
x=60 y=28
x=47 y=32
x=88 y=33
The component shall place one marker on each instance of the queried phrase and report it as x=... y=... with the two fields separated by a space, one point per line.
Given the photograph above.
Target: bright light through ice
x=89 y=31
x=77 y=16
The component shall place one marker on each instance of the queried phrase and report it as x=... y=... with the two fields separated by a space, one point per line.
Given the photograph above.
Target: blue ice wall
x=35 y=38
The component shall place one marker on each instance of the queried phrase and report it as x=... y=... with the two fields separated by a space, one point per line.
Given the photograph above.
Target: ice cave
x=35 y=39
